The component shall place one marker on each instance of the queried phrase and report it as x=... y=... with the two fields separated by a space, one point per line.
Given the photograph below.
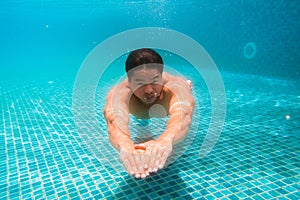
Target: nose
x=148 y=89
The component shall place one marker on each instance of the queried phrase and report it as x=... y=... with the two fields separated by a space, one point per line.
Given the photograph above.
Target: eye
x=155 y=81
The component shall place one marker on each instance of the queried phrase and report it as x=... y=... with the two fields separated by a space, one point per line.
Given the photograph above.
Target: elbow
x=188 y=120
x=105 y=113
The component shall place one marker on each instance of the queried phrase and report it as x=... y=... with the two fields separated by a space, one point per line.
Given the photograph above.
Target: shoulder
x=122 y=90
x=180 y=89
x=173 y=82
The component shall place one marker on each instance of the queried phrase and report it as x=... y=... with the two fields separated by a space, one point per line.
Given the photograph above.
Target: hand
x=157 y=153
x=133 y=160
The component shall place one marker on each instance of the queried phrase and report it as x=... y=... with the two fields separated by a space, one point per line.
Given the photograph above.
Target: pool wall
x=55 y=36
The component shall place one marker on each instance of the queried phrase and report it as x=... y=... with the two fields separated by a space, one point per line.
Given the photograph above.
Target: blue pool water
x=255 y=47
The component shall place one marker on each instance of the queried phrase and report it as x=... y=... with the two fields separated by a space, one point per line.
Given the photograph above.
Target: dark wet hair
x=143 y=56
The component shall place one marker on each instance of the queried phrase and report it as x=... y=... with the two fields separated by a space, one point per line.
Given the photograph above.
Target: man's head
x=144 y=69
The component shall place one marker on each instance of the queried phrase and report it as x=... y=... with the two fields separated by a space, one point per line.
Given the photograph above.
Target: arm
x=181 y=110
x=116 y=113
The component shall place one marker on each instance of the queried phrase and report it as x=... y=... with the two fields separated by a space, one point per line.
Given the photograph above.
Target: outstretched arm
x=181 y=110
x=116 y=113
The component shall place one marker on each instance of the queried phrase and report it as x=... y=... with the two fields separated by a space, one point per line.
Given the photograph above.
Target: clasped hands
x=142 y=159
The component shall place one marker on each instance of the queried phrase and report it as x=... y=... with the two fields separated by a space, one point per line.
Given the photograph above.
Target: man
x=148 y=92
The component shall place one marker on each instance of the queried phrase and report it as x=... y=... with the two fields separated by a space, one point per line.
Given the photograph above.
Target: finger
x=143 y=176
x=140 y=149
x=163 y=159
x=146 y=157
x=126 y=158
x=157 y=163
x=158 y=160
x=127 y=166
x=138 y=162
x=153 y=157
x=143 y=160
x=132 y=164
x=137 y=175
x=149 y=156
x=150 y=160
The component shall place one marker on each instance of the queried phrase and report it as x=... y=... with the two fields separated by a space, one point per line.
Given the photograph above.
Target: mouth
x=150 y=98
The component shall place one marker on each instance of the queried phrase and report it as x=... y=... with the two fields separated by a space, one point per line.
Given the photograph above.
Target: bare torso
x=141 y=110
x=171 y=85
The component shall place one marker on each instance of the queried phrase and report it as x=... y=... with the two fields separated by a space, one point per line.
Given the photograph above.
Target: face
x=146 y=84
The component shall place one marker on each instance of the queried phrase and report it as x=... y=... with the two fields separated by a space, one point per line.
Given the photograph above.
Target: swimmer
x=147 y=85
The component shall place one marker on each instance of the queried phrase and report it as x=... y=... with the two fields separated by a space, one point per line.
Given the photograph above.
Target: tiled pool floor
x=256 y=157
